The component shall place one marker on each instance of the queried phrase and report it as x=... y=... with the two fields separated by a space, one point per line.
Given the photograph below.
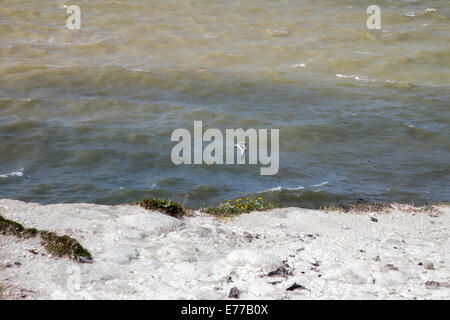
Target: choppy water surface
x=86 y=115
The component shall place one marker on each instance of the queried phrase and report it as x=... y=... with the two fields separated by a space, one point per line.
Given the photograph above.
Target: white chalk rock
x=345 y=274
x=256 y=290
x=151 y=223
x=132 y=234
x=184 y=268
x=120 y=254
x=264 y=261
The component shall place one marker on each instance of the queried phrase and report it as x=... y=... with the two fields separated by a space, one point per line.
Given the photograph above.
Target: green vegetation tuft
x=374 y=206
x=59 y=246
x=360 y=206
x=239 y=206
x=169 y=207
x=443 y=203
x=9 y=227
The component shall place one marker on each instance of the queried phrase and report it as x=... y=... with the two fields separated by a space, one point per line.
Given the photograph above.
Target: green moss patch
x=384 y=207
x=360 y=207
x=12 y=228
x=169 y=207
x=59 y=246
x=239 y=206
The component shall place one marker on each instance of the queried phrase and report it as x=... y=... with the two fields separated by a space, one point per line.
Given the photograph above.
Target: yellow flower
x=259 y=198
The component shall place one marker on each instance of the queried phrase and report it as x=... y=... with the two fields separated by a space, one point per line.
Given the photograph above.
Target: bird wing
x=242 y=150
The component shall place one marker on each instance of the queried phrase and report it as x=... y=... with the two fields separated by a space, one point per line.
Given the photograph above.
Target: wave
x=18 y=173
x=281 y=188
x=356 y=77
x=320 y=184
x=386 y=82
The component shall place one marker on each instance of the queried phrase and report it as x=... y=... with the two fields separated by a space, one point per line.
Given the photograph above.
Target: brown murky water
x=86 y=115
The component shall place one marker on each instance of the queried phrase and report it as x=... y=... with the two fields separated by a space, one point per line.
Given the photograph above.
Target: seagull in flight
x=242 y=148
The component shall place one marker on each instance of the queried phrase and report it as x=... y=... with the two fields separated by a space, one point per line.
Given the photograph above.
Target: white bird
x=242 y=148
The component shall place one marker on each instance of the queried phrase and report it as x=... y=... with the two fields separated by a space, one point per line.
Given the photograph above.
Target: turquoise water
x=86 y=115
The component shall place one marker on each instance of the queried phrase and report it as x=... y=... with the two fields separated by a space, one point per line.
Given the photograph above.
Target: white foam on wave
x=320 y=184
x=280 y=188
x=367 y=79
x=356 y=77
x=277 y=32
x=47 y=66
x=18 y=173
x=299 y=65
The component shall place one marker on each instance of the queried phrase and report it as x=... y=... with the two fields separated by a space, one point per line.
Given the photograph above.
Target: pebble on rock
x=281 y=271
x=296 y=286
x=429 y=266
x=432 y=285
x=234 y=293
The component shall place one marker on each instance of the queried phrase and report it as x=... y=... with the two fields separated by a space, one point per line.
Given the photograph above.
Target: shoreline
x=402 y=252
